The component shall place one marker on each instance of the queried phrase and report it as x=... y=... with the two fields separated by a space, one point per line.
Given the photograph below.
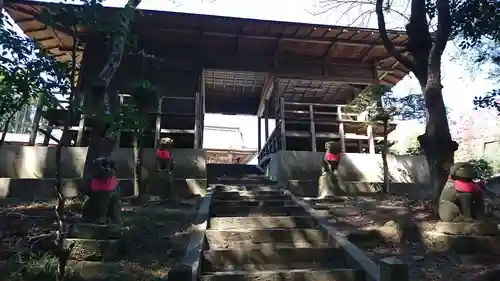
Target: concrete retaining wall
x=361 y=173
x=27 y=162
x=29 y=172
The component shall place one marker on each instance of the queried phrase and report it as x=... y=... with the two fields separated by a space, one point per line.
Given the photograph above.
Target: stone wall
x=362 y=173
x=21 y=166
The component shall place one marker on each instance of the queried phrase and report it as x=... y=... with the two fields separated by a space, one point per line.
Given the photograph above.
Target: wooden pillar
x=313 y=128
x=158 y=122
x=341 y=129
x=371 y=141
x=360 y=146
x=203 y=107
x=266 y=121
x=36 y=120
x=259 y=134
x=282 y=123
x=393 y=269
x=197 y=121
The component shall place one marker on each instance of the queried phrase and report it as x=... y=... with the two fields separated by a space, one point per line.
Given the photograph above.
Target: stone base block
x=95 y=231
x=94 y=250
x=477 y=228
x=463 y=244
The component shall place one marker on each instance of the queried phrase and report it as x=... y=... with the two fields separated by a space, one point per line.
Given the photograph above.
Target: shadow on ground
x=155 y=236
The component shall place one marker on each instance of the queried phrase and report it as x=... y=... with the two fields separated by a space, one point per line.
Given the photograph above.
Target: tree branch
x=389 y=46
x=443 y=33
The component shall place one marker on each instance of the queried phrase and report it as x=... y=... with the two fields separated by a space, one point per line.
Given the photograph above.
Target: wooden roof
x=235 y=35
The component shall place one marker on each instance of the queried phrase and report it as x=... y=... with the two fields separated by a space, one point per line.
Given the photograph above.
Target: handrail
x=269 y=139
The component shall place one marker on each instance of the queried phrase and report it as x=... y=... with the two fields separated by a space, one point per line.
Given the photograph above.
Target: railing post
x=393 y=269
x=371 y=142
x=313 y=128
x=259 y=134
x=341 y=129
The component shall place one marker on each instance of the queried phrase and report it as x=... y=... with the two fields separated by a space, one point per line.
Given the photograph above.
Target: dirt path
x=369 y=212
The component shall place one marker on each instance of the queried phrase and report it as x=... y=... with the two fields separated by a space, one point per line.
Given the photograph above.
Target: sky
x=460 y=86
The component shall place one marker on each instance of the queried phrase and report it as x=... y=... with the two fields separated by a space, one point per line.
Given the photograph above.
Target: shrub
x=482 y=168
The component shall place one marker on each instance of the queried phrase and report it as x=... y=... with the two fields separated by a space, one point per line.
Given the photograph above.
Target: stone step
x=245 y=188
x=252 y=198
x=252 y=211
x=261 y=238
x=250 y=194
x=270 y=259
x=94 y=231
x=245 y=181
x=262 y=222
x=254 y=203
x=288 y=275
x=94 y=250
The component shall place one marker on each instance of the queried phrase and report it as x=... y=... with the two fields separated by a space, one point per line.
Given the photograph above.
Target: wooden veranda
x=300 y=75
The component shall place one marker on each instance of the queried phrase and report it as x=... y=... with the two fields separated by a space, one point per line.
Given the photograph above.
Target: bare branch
x=443 y=33
x=389 y=46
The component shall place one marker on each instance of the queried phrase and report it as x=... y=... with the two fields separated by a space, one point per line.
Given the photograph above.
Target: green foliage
x=26 y=72
x=380 y=102
x=414 y=149
x=36 y=268
x=482 y=168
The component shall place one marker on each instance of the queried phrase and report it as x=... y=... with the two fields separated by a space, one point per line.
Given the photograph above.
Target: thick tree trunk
x=101 y=143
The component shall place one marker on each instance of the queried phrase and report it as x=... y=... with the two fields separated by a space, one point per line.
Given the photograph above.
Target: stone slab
x=188 y=268
x=250 y=198
x=95 y=231
x=94 y=250
x=464 y=244
x=262 y=222
x=266 y=259
x=252 y=238
x=239 y=211
x=288 y=275
x=476 y=228
x=248 y=193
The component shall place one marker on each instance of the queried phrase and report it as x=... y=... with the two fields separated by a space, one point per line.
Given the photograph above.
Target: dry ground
x=369 y=212
x=155 y=234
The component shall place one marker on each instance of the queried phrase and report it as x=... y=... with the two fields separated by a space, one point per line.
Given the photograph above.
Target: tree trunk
x=385 y=149
x=5 y=128
x=101 y=144
x=425 y=63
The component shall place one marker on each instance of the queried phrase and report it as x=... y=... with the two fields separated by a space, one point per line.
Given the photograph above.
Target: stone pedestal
x=95 y=242
x=475 y=237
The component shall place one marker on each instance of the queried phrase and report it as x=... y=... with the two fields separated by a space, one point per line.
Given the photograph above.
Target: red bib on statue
x=108 y=184
x=463 y=186
x=332 y=157
x=163 y=154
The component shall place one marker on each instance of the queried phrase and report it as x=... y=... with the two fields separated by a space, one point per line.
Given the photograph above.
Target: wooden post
x=259 y=134
x=282 y=122
x=266 y=121
x=313 y=128
x=46 y=139
x=371 y=141
x=360 y=146
x=197 y=121
x=36 y=120
x=158 y=121
x=203 y=106
x=341 y=129
x=119 y=134
x=393 y=269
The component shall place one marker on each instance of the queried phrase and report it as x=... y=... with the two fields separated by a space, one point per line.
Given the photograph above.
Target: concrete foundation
x=360 y=173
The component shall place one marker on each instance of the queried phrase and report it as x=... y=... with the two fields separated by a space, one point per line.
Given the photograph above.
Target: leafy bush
x=482 y=168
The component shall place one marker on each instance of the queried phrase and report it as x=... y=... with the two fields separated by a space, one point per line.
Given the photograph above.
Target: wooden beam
x=282 y=123
x=265 y=94
x=197 y=122
x=295 y=39
x=259 y=133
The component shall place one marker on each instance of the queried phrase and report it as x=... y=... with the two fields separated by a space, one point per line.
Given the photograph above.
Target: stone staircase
x=251 y=229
